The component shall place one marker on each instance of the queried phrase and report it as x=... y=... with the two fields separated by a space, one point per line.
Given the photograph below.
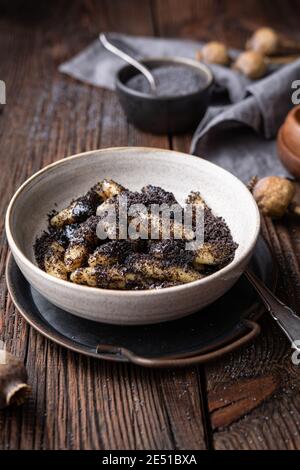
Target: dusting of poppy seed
x=171 y=251
x=118 y=249
x=85 y=233
x=69 y=231
x=149 y=195
x=157 y=195
x=216 y=231
x=40 y=248
x=131 y=261
x=85 y=206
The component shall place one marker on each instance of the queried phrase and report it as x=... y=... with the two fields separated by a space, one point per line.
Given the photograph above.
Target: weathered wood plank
x=77 y=402
x=253 y=399
x=230 y=22
x=253 y=393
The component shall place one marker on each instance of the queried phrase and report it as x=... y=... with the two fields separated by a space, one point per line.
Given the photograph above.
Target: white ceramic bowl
x=133 y=167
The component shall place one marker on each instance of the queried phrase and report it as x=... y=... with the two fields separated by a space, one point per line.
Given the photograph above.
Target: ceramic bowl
x=291 y=131
x=288 y=158
x=134 y=167
x=164 y=114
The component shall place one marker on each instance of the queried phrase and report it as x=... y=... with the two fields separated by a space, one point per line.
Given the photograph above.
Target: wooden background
x=248 y=400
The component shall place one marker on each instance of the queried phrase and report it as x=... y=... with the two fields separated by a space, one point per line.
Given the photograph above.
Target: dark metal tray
x=222 y=327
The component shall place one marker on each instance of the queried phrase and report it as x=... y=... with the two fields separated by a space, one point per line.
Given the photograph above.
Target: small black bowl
x=164 y=114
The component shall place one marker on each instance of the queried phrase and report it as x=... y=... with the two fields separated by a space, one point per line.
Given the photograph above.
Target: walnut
x=252 y=64
x=274 y=196
x=214 y=52
x=264 y=40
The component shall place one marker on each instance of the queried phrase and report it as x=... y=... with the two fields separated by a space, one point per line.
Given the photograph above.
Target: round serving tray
x=208 y=334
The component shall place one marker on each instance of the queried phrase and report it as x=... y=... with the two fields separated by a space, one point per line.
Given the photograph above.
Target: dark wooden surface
x=248 y=400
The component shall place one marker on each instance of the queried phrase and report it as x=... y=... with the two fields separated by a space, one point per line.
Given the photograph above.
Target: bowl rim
x=123 y=293
x=282 y=145
x=172 y=60
x=291 y=115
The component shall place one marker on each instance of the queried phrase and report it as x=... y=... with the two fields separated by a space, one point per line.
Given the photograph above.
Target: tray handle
x=254 y=330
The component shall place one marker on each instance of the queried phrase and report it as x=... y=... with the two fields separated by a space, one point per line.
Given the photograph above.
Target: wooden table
x=248 y=400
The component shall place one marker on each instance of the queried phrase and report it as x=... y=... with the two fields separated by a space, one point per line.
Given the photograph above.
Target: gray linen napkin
x=241 y=137
x=238 y=136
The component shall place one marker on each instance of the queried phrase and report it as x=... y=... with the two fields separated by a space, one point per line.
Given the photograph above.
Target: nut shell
x=273 y=195
x=252 y=64
x=214 y=52
x=13 y=378
x=265 y=41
